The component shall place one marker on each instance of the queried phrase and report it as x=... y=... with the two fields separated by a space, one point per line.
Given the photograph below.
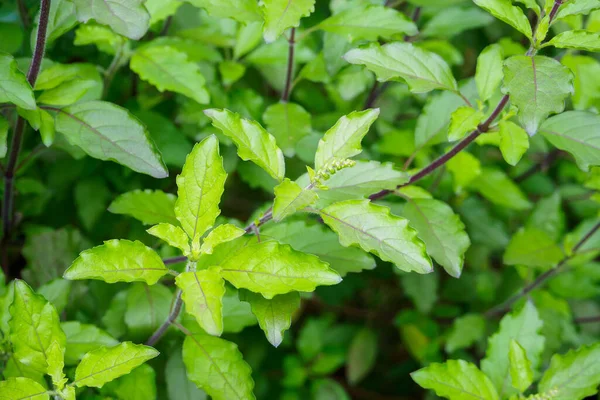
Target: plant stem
x=540 y=280
x=539 y=166
x=587 y=320
x=175 y=310
x=110 y=72
x=285 y=95
x=554 y=11
x=17 y=139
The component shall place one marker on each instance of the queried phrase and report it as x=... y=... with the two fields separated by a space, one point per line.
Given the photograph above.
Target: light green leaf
x=118 y=261
x=465 y=331
x=200 y=186
x=369 y=22
x=282 y=14
x=422 y=70
x=576 y=7
x=514 y=141
x=343 y=140
x=362 y=180
x=362 y=355
x=69 y=92
x=216 y=366
x=489 y=71
x=203 y=293
x=537 y=86
x=221 y=234
x=126 y=17
x=442 y=231
x=148 y=206
x=288 y=123
x=275 y=315
x=574 y=375
x=4 y=125
x=454 y=20
x=240 y=10
x=169 y=69
x=147 y=307
x=14 y=87
x=47 y=128
x=456 y=380
x=237 y=314
x=498 y=188
x=376 y=230
x=179 y=387
x=506 y=12
x=34 y=327
x=548 y=216
x=22 y=389
x=82 y=338
x=270 y=268
x=61 y=19
x=580 y=40
x=464 y=167
x=464 y=120
x=253 y=142
x=173 y=235
x=322 y=242
x=521 y=374
x=161 y=9
x=291 y=198
x=577 y=132
x=231 y=72
x=533 y=248
x=108 y=363
x=139 y=384
x=101 y=36
x=108 y=132
x=56 y=363
x=523 y=326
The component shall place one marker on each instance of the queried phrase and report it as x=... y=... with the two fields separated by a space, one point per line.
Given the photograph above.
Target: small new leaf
x=221 y=234
x=275 y=315
x=580 y=40
x=521 y=374
x=489 y=71
x=282 y=14
x=118 y=261
x=290 y=198
x=506 y=12
x=173 y=235
x=464 y=120
x=514 y=141
x=147 y=206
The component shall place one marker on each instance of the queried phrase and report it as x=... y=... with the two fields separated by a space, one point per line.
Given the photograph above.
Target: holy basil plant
x=296 y=199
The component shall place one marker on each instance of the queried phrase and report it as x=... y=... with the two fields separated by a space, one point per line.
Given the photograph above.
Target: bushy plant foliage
x=239 y=199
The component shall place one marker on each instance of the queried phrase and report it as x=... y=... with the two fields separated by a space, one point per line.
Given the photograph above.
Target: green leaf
x=521 y=374
x=442 y=231
x=577 y=132
x=282 y=14
x=290 y=198
x=422 y=70
x=343 y=140
x=200 y=186
x=14 y=87
x=179 y=387
x=169 y=69
x=456 y=380
x=498 y=188
x=22 y=389
x=489 y=71
x=288 y=123
x=464 y=167
x=108 y=132
x=369 y=22
x=454 y=20
x=4 y=125
x=466 y=330
x=148 y=206
x=548 y=216
x=577 y=7
x=56 y=292
x=362 y=355
x=523 y=326
x=322 y=242
x=538 y=87
x=101 y=36
x=70 y=92
x=253 y=142
x=362 y=180
x=216 y=366
x=464 y=120
x=61 y=19
x=173 y=235
x=55 y=356
x=34 y=327
x=270 y=268
x=82 y=338
x=532 y=247
x=274 y=315
x=139 y=384
x=126 y=17
x=221 y=234
x=376 y=230
x=506 y=12
x=108 y=363
x=240 y=10
x=118 y=261
x=514 y=141
x=161 y=9
x=574 y=375
x=237 y=314
x=580 y=40
x=203 y=293
x=147 y=308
